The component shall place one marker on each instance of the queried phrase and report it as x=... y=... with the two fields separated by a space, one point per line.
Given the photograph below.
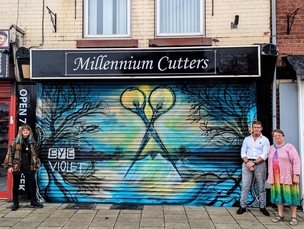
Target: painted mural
x=149 y=142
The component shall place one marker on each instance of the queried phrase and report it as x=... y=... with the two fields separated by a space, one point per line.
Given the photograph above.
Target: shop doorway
x=4 y=124
x=289 y=102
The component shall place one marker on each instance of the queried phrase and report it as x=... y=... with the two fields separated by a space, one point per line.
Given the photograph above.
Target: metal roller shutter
x=7 y=133
x=162 y=142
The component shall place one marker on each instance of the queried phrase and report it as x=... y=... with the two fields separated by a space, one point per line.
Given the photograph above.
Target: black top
x=25 y=155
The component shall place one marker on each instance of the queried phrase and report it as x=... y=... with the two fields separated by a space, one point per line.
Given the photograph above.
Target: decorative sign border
x=194 y=62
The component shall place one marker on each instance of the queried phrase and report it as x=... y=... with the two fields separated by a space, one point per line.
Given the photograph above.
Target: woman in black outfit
x=22 y=158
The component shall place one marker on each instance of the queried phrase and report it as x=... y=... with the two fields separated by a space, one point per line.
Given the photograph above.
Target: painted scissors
x=157 y=110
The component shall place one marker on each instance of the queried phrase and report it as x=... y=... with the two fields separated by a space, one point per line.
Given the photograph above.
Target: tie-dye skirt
x=283 y=193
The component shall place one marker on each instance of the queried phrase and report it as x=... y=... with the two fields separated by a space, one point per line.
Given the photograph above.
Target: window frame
x=86 y=26
x=202 y=19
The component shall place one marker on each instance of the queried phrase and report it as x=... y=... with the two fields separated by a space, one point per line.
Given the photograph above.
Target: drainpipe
x=300 y=80
x=274 y=84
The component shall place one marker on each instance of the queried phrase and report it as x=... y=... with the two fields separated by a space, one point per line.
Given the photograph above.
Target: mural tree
x=65 y=111
x=222 y=109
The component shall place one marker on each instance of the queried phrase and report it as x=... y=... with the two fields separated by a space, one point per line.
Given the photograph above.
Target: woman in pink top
x=283 y=176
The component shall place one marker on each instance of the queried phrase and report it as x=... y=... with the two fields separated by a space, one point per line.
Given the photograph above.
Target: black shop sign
x=197 y=62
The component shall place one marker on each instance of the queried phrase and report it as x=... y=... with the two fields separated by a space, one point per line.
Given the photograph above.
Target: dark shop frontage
x=146 y=126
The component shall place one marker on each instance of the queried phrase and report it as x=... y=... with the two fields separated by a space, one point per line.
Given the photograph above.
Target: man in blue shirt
x=254 y=153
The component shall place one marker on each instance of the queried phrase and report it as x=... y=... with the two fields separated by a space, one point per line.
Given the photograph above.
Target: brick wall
x=292 y=44
x=254 y=21
x=143 y=21
x=33 y=17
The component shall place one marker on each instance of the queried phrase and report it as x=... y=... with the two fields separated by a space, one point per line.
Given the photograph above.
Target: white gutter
x=301 y=132
x=300 y=81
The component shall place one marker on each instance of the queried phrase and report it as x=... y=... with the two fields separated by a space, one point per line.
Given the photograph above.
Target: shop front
x=144 y=126
x=7 y=110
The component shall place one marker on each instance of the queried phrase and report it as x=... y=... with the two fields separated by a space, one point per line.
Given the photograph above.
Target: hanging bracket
x=53 y=18
x=290 y=20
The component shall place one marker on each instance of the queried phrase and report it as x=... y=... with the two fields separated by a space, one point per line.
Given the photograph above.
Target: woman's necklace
x=279 y=146
x=26 y=144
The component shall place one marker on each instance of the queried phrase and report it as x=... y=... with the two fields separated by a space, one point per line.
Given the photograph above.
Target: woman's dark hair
x=3 y=33
x=257 y=123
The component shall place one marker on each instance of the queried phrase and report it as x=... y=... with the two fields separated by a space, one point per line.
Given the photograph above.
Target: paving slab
x=20 y=213
x=177 y=226
x=9 y=221
x=152 y=214
x=79 y=217
x=197 y=214
x=36 y=217
x=128 y=219
x=201 y=223
x=121 y=225
x=205 y=224
x=48 y=227
x=26 y=225
x=153 y=208
x=227 y=226
x=77 y=224
x=152 y=222
x=175 y=218
x=62 y=213
x=219 y=219
x=54 y=222
x=246 y=223
x=106 y=216
x=107 y=213
x=104 y=222
x=176 y=210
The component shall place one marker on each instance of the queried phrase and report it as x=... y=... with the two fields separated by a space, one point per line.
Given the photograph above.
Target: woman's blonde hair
x=19 y=135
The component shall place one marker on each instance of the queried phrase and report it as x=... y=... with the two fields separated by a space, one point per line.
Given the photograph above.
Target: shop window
x=106 y=18
x=180 y=18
